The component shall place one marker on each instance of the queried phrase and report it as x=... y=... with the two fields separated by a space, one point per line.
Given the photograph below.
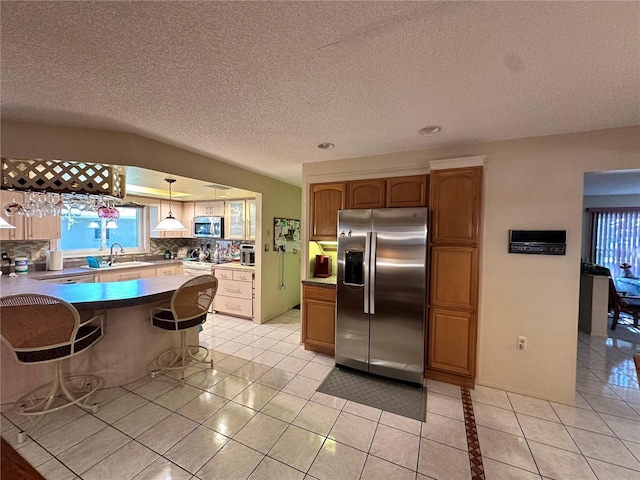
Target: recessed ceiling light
x=326 y=146
x=430 y=130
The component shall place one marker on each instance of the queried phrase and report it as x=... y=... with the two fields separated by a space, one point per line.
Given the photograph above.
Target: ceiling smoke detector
x=326 y=146
x=430 y=130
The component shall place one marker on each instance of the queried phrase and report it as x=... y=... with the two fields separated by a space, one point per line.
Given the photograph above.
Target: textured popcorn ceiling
x=260 y=84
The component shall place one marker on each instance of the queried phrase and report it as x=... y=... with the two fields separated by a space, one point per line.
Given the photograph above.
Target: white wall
x=279 y=199
x=532 y=183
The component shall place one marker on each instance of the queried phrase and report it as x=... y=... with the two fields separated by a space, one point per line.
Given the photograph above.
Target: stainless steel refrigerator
x=381 y=291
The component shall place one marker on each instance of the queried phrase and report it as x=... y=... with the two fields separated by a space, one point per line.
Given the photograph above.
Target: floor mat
x=625 y=329
x=377 y=392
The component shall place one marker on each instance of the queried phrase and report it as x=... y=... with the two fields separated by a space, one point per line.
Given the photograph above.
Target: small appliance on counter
x=247 y=254
x=323 y=266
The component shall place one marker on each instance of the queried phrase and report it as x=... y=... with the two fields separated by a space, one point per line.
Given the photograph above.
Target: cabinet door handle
x=233 y=290
x=232 y=306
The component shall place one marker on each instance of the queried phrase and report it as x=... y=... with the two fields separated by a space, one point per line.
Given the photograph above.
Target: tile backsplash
x=36 y=250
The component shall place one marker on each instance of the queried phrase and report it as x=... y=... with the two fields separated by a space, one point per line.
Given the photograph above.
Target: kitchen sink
x=119 y=265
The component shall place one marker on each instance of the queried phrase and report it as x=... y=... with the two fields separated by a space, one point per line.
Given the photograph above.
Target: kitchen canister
x=54 y=260
x=22 y=265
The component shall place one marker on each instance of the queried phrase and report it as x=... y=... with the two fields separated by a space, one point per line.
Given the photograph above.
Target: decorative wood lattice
x=62 y=177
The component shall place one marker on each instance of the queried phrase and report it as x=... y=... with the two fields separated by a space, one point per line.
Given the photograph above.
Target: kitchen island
x=129 y=344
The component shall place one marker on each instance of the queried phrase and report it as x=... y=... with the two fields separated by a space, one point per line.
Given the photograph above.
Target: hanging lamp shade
x=5 y=224
x=170 y=223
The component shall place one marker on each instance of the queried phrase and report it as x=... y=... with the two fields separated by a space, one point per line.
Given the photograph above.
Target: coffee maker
x=323 y=266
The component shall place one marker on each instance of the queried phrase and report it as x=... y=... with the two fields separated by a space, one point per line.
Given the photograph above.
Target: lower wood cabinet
x=235 y=292
x=175 y=269
x=319 y=318
x=126 y=274
x=451 y=346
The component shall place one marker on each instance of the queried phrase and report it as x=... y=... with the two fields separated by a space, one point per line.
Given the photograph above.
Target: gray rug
x=377 y=392
x=624 y=330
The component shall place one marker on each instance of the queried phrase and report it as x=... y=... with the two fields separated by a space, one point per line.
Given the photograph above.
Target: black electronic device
x=541 y=242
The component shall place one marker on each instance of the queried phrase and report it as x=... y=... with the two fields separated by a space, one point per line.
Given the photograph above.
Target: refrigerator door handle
x=365 y=263
x=372 y=273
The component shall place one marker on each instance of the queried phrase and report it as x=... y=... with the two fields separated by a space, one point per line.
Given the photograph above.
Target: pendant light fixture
x=170 y=224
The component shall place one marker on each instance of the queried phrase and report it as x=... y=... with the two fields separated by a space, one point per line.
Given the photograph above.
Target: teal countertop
x=96 y=296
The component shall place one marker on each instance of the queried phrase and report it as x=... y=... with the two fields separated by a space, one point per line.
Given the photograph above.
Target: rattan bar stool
x=45 y=329
x=188 y=309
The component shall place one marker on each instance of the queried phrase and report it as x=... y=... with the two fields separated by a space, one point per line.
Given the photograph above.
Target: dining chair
x=622 y=303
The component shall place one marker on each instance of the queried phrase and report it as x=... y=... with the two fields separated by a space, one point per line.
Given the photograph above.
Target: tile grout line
x=473 y=442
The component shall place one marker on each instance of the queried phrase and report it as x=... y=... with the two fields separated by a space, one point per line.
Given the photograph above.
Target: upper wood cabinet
x=325 y=201
x=367 y=193
x=455 y=201
x=327 y=198
x=410 y=191
x=211 y=208
x=28 y=228
x=454 y=277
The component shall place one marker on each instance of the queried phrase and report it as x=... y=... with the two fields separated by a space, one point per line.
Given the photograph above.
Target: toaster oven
x=247 y=254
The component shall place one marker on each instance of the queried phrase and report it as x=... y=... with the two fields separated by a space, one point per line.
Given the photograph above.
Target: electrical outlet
x=522 y=343
x=266 y=247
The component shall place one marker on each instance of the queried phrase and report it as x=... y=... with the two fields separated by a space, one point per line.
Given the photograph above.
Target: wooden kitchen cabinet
x=209 y=209
x=235 y=226
x=367 y=193
x=251 y=220
x=174 y=269
x=454 y=276
x=410 y=191
x=319 y=318
x=451 y=346
x=455 y=201
x=235 y=292
x=188 y=212
x=325 y=201
x=126 y=274
x=32 y=228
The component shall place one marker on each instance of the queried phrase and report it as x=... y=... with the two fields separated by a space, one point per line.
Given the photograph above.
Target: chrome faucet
x=112 y=257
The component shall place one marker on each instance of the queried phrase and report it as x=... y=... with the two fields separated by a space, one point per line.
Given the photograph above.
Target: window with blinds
x=615 y=238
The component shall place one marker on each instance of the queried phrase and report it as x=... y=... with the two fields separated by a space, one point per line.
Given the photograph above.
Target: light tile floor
x=257 y=416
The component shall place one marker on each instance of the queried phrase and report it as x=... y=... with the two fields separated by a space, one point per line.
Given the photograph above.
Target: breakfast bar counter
x=129 y=344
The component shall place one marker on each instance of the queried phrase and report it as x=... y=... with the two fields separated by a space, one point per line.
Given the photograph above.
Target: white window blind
x=616 y=238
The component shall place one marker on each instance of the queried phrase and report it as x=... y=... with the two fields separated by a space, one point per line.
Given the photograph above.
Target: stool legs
x=181 y=358
x=73 y=390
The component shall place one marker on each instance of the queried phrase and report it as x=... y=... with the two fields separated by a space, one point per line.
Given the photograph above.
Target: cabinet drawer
x=242 y=276
x=322 y=294
x=234 y=288
x=233 y=306
x=223 y=274
x=168 y=270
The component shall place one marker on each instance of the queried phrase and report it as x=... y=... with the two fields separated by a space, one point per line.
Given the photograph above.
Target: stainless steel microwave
x=212 y=227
